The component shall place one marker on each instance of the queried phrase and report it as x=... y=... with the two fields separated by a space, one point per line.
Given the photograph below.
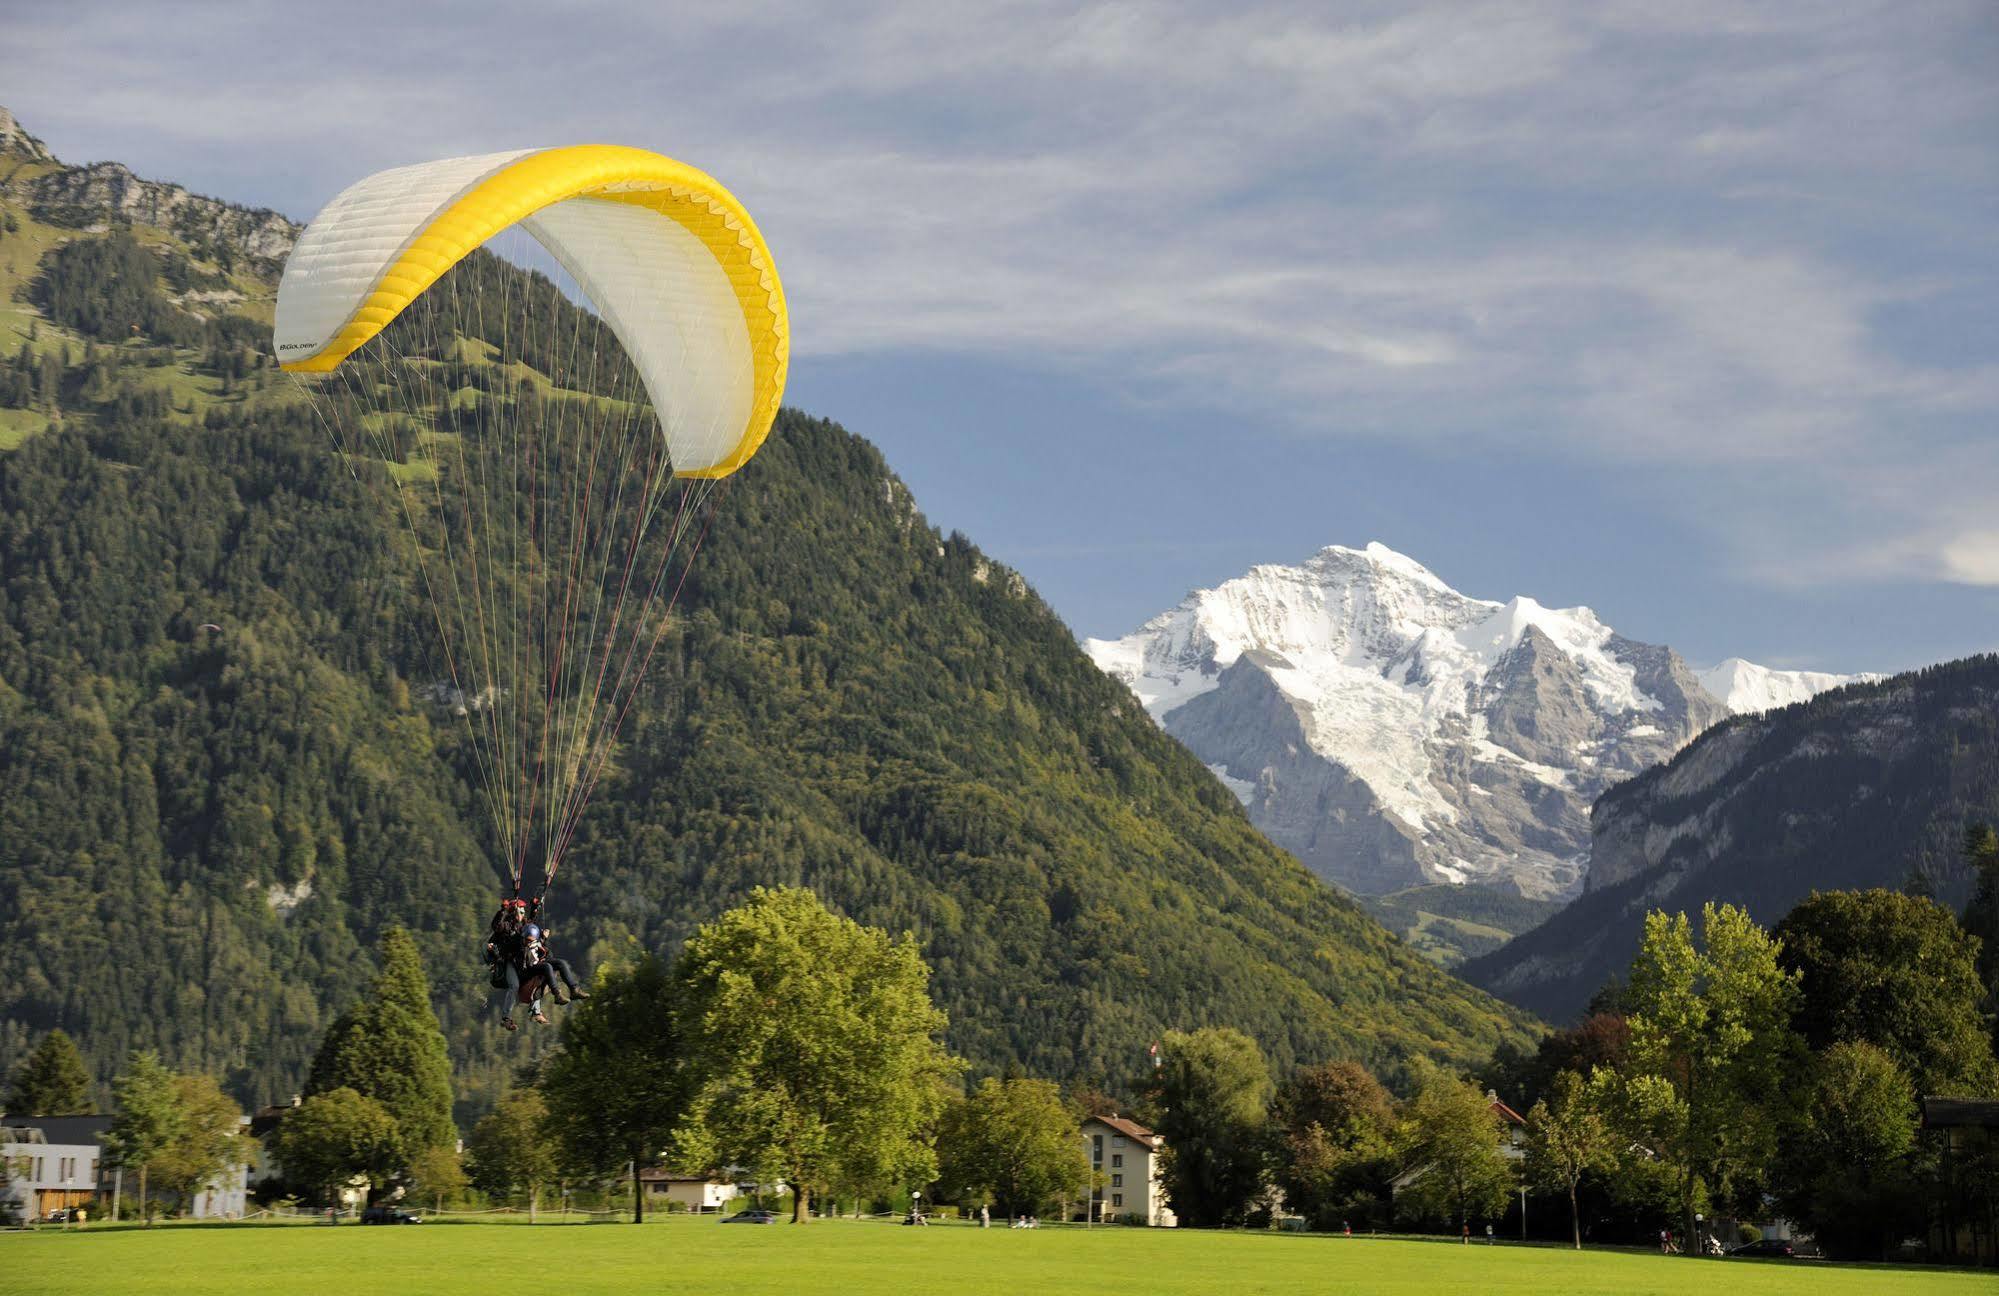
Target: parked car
x=751 y=1217
x=59 y=1216
x=389 y=1215
x=1771 y=1247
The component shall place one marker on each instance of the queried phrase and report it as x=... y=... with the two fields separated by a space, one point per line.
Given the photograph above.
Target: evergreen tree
x=1213 y=1091
x=811 y=1043
x=149 y=1119
x=390 y=1048
x=51 y=1081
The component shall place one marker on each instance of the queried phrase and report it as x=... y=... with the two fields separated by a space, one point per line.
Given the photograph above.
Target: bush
x=1747 y=1233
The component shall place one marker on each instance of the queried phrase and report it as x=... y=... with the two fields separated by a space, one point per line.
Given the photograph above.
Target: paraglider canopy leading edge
x=667 y=256
x=553 y=465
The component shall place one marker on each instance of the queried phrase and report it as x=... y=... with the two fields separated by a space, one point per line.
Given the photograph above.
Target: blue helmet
x=533 y=932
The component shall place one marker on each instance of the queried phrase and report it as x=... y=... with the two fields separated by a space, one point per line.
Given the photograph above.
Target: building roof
x=1950 y=1113
x=72 y=1130
x=657 y=1175
x=1127 y=1127
x=1507 y=1114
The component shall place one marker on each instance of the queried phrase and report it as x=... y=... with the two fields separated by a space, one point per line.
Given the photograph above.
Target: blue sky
x=1688 y=312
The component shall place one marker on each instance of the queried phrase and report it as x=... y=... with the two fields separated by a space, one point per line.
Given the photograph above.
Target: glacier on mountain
x=1391 y=731
x=1744 y=687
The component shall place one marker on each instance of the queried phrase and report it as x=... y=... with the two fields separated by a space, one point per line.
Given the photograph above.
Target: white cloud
x=1646 y=234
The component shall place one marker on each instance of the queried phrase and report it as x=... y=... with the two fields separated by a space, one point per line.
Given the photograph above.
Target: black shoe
x=556 y=997
x=508 y=1022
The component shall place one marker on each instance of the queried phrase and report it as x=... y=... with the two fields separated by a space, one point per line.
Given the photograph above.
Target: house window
x=1117 y=1158
x=1097 y=1148
x=1117 y=1140
x=1117 y=1181
x=1117 y=1199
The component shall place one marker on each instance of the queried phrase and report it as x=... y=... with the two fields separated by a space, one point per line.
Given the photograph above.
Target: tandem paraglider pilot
x=522 y=965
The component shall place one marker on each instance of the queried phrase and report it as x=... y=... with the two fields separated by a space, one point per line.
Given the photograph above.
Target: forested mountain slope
x=1871 y=785
x=203 y=829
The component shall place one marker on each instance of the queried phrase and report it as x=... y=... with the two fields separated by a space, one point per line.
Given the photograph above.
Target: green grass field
x=702 y=1255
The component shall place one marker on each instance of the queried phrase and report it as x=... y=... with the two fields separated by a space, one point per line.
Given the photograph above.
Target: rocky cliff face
x=108 y=188
x=1868 y=786
x=85 y=195
x=1392 y=732
x=16 y=142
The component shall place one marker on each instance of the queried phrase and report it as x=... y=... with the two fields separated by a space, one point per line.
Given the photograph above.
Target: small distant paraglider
x=210 y=625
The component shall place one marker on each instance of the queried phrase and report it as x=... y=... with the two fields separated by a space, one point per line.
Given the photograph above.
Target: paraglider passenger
x=536 y=956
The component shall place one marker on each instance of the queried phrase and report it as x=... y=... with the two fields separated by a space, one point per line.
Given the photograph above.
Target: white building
x=227 y=1196
x=54 y=1162
x=1125 y=1160
x=697 y=1193
x=50 y=1163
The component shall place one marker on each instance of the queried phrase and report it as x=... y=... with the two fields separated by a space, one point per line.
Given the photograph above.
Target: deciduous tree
x=1449 y=1135
x=1568 y=1136
x=149 y=1119
x=1895 y=971
x=615 y=1089
x=1213 y=1090
x=1334 y=1121
x=812 y=1044
x=1713 y=1022
x=513 y=1153
x=437 y=1173
x=1845 y=1166
x=335 y=1138
x=208 y=1142
x=1013 y=1142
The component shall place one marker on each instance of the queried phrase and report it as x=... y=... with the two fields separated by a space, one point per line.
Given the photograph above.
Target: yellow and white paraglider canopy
x=667 y=257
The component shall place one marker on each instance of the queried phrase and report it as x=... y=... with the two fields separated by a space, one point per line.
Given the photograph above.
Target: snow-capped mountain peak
x=1745 y=687
x=1389 y=729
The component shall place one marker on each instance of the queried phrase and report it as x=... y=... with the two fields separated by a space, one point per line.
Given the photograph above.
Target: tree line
x=1732 y=1073
x=1735 y=1072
